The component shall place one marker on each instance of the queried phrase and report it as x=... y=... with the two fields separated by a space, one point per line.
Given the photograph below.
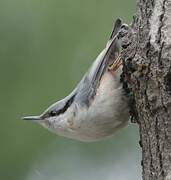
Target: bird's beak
x=32 y=118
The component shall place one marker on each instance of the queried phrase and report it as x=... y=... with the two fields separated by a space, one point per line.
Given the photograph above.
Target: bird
x=98 y=105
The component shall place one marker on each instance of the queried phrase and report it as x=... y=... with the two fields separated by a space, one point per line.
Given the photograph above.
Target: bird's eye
x=52 y=113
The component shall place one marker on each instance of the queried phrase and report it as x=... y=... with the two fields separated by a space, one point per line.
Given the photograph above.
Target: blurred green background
x=45 y=48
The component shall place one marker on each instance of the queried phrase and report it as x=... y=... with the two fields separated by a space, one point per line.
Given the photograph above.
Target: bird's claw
x=115 y=65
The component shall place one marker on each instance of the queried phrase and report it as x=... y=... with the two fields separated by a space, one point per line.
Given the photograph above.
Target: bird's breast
x=106 y=113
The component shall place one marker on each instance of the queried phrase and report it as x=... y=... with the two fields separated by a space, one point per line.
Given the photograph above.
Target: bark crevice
x=147 y=65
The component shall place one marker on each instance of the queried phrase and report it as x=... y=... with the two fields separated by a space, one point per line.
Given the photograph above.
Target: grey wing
x=87 y=87
x=109 y=54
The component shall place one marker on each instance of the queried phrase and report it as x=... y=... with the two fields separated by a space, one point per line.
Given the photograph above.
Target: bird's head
x=54 y=116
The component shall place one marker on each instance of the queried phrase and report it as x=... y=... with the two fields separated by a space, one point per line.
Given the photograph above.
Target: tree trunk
x=147 y=69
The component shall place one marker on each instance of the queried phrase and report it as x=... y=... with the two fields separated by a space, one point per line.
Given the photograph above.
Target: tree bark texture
x=147 y=75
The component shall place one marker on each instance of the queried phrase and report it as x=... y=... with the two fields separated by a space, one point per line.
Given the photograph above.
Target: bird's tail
x=116 y=27
x=107 y=56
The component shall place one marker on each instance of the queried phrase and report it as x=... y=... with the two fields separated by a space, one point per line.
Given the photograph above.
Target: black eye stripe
x=61 y=111
x=52 y=113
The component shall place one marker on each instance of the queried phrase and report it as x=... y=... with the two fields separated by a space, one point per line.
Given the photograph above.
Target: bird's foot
x=115 y=65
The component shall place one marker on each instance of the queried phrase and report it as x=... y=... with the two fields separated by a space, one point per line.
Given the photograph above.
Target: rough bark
x=147 y=75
